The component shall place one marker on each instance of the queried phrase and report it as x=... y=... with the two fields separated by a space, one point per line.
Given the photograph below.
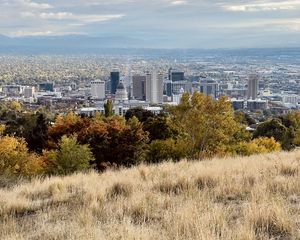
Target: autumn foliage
x=15 y=160
x=199 y=127
x=113 y=141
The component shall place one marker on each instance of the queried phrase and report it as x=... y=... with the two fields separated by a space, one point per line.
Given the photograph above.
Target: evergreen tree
x=108 y=108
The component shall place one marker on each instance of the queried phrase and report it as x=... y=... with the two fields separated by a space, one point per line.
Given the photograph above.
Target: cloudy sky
x=175 y=23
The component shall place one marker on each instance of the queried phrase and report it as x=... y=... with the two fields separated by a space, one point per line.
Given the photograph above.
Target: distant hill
x=66 y=44
x=81 y=44
x=256 y=197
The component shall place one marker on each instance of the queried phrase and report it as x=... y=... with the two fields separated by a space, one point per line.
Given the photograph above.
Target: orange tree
x=113 y=141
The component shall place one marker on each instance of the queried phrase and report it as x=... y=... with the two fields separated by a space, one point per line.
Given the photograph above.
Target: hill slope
x=235 y=198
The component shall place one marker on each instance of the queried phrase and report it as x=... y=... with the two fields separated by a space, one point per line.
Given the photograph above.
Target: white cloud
x=21 y=33
x=34 y=5
x=77 y=19
x=97 y=18
x=263 y=6
x=57 y=16
x=179 y=2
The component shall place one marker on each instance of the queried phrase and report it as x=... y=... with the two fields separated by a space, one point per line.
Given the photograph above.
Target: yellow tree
x=208 y=125
x=15 y=158
x=2 y=129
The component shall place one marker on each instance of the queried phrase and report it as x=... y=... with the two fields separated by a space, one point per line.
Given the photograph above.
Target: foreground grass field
x=235 y=198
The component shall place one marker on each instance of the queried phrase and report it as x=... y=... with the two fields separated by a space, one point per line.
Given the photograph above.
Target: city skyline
x=158 y=23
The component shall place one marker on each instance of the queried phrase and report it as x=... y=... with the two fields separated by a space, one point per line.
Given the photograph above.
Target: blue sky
x=174 y=23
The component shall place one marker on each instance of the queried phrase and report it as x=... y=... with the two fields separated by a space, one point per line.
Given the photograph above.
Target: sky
x=173 y=23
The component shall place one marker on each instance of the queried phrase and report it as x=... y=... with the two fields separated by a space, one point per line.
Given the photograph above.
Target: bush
x=70 y=156
x=15 y=160
x=169 y=149
x=257 y=146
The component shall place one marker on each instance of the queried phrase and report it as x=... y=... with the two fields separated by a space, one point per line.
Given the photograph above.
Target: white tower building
x=209 y=88
x=29 y=92
x=154 y=87
x=98 y=89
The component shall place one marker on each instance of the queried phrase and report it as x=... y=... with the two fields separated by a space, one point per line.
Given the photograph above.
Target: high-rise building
x=252 y=87
x=258 y=104
x=154 y=87
x=98 y=89
x=11 y=90
x=28 y=92
x=114 y=80
x=46 y=87
x=168 y=88
x=139 y=87
x=209 y=87
x=176 y=75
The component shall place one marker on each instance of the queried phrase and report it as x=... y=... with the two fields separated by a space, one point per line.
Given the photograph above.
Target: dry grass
x=235 y=198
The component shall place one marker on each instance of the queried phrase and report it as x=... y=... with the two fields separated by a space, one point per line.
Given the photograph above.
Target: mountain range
x=66 y=44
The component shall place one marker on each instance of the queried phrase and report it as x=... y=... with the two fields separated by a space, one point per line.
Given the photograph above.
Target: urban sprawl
x=258 y=86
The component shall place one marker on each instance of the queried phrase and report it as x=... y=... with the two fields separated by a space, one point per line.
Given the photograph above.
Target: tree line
x=32 y=142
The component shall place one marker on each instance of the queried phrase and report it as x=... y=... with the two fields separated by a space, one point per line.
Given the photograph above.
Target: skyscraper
x=114 y=79
x=98 y=89
x=209 y=87
x=168 y=88
x=154 y=87
x=252 y=87
x=46 y=87
x=28 y=92
x=139 y=87
x=176 y=75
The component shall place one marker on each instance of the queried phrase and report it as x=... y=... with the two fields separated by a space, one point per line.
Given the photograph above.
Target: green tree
x=33 y=127
x=244 y=118
x=169 y=149
x=160 y=128
x=276 y=129
x=70 y=156
x=296 y=140
x=141 y=114
x=108 y=108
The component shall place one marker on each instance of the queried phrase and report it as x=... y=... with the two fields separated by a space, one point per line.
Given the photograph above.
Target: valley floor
x=233 y=198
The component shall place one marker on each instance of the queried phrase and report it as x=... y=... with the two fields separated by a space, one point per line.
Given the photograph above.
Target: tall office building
x=252 y=87
x=154 y=87
x=28 y=92
x=168 y=88
x=114 y=79
x=209 y=87
x=139 y=87
x=46 y=87
x=98 y=89
x=176 y=75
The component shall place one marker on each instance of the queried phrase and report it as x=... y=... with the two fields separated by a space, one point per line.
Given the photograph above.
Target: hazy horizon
x=200 y=24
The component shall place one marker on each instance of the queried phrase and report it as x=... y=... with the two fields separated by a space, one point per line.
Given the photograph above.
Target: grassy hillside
x=235 y=198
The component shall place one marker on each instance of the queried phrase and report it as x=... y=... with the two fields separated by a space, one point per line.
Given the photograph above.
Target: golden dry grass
x=233 y=198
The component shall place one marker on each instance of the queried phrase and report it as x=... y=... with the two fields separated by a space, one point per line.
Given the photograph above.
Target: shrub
x=257 y=146
x=161 y=150
x=70 y=156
